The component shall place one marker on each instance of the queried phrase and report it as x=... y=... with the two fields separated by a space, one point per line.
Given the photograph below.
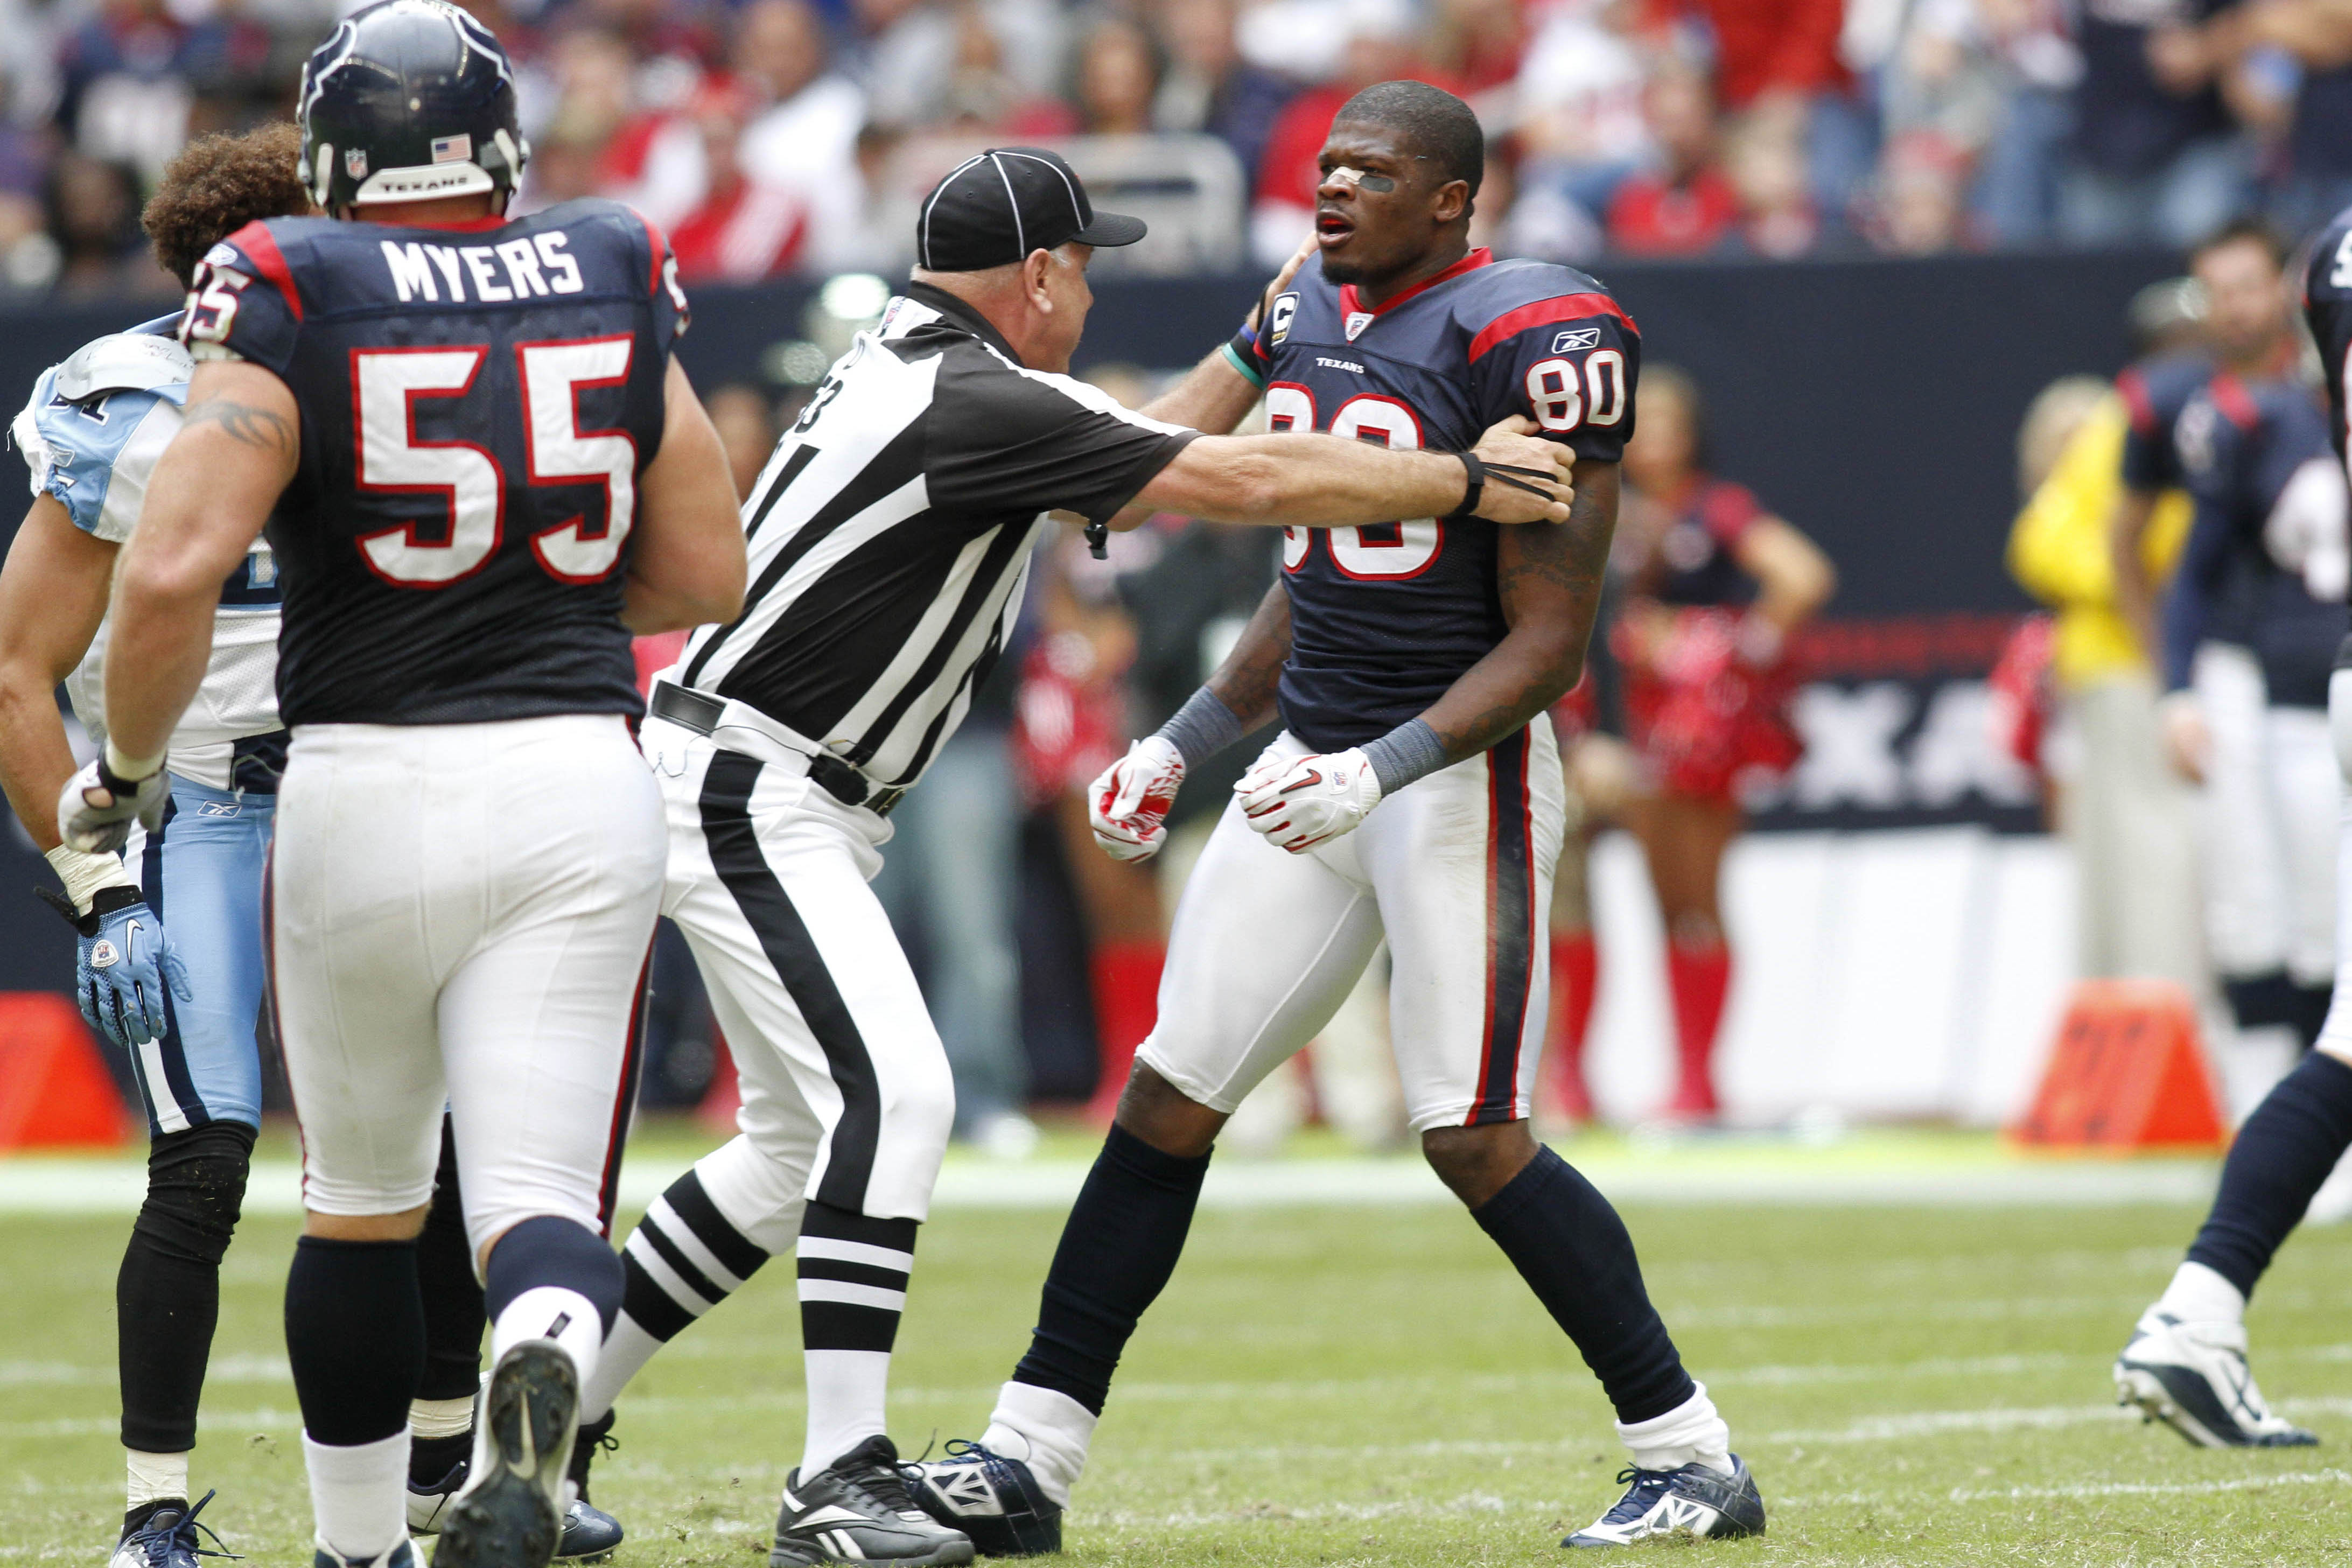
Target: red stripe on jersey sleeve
x=255 y=240
x=2230 y=397
x=658 y=244
x=2137 y=407
x=1542 y=314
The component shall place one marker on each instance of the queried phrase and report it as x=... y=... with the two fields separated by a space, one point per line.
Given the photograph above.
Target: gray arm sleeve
x=1202 y=728
x=1404 y=754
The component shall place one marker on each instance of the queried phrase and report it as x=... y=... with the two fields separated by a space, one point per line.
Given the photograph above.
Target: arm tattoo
x=257 y=428
x=1245 y=682
x=1550 y=577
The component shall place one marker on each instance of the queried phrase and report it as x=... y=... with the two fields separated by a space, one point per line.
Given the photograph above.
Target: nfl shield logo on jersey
x=1357 y=321
x=355 y=162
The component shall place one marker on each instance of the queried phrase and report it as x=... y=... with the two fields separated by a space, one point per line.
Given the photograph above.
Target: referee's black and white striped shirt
x=891 y=531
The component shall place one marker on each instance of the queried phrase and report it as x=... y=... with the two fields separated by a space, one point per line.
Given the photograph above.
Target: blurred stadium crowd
x=773 y=136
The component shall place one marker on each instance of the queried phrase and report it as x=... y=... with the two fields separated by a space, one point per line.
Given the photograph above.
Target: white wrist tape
x=132 y=770
x=84 y=875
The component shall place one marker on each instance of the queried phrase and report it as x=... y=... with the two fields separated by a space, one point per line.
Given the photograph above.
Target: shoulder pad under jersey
x=122 y=361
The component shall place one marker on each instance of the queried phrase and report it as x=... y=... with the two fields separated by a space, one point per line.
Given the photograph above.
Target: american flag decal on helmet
x=452 y=148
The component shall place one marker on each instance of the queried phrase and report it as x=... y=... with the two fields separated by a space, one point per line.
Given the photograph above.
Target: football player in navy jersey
x=1415 y=794
x=480 y=470
x=91 y=433
x=2268 y=475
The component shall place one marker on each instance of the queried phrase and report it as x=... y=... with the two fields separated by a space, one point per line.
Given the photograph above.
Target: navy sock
x=1573 y=1251
x=546 y=1250
x=2281 y=1155
x=355 y=1336
x=1118 y=1247
x=2261 y=1000
x=2310 y=1006
x=454 y=1318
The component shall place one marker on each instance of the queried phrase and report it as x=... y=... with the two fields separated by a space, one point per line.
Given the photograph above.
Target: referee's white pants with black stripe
x=463 y=913
x=847 y=1092
x=1455 y=870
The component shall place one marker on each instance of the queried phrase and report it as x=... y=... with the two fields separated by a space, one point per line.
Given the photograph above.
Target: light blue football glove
x=123 y=963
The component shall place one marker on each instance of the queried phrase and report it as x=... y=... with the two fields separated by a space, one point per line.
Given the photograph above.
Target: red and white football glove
x=1127 y=805
x=1299 y=803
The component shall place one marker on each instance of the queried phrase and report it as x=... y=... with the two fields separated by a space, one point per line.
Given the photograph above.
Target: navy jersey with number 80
x=477 y=403
x=1385 y=618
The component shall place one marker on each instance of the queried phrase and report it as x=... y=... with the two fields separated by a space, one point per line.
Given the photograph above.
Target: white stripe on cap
x=936 y=192
x=1020 y=235
x=1077 y=211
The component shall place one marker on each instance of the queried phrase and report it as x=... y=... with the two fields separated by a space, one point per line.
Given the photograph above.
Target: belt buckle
x=881 y=801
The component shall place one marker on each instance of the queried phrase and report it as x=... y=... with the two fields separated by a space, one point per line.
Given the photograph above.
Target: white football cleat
x=1694 y=1500
x=2193 y=1377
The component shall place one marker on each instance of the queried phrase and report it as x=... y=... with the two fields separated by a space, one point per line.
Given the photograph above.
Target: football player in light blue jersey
x=184 y=1005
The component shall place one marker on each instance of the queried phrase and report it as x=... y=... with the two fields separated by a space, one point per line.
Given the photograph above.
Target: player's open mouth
x=1331 y=228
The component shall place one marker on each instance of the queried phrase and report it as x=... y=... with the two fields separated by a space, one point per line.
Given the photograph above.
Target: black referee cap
x=997 y=207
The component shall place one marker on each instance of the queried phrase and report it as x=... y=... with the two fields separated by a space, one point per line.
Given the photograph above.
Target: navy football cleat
x=995 y=1501
x=1694 y=1500
x=168 y=1539
x=2193 y=1377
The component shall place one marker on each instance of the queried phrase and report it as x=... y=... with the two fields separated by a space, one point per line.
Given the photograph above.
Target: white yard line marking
x=33 y=1184
x=2153 y=1488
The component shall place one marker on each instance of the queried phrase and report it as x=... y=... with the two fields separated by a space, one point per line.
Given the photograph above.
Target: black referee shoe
x=857 y=1509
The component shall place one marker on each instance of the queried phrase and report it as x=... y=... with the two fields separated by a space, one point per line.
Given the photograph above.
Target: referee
x=889 y=539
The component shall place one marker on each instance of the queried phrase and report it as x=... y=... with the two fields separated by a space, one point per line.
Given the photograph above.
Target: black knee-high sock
x=684 y=1258
x=355 y=1337
x=167 y=1294
x=2281 y=1155
x=1573 y=1251
x=2311 y=1004
x=1118 y=1247
x=454 y=1318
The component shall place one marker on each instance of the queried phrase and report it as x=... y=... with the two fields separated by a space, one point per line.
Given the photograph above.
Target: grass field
x=1354 y=1384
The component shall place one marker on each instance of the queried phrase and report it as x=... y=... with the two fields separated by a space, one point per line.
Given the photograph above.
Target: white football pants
x=2268 y=818
x=1455 y=870
x=463 y=913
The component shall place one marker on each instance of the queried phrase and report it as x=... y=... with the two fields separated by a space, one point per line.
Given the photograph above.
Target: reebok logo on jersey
x=220 y=808
x=1576 y=338
x=1357 y=321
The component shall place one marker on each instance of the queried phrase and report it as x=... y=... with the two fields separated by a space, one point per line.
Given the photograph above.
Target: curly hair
x=217 y=185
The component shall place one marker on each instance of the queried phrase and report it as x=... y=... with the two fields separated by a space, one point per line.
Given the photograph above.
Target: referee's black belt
x=703 y=713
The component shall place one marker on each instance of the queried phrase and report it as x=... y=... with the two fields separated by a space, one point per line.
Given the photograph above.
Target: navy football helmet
x=410 y=101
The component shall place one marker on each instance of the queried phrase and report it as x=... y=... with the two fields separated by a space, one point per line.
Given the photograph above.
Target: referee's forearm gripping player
x=889 y=539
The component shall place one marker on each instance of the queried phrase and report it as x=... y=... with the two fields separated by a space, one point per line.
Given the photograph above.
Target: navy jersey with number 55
x=477 y=403
x=1385 y=618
